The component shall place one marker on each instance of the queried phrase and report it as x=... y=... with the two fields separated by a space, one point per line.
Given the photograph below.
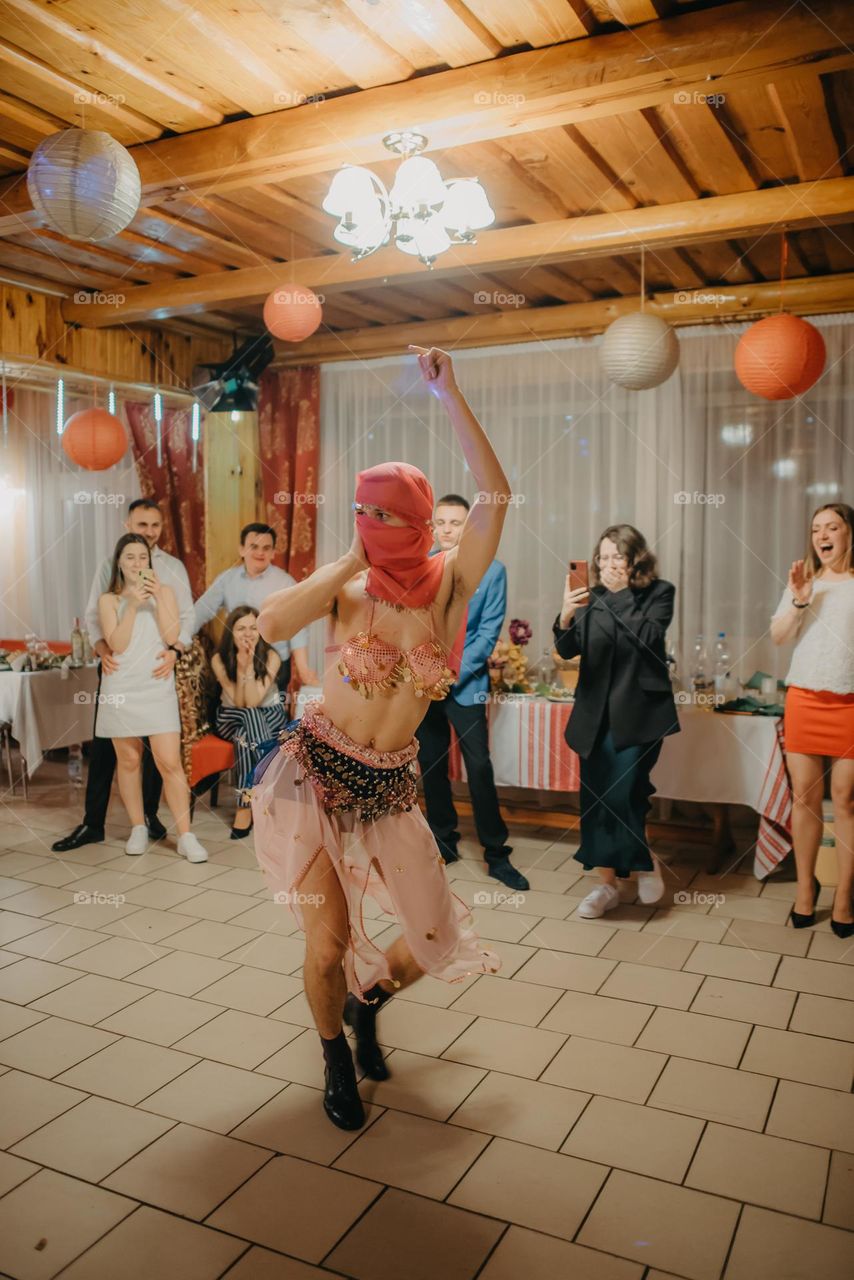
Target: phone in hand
x=578 y=575
x=146 y=577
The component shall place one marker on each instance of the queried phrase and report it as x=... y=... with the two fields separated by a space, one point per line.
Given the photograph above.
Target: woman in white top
x=138 y=616
x=817 y=612
x=251 y=713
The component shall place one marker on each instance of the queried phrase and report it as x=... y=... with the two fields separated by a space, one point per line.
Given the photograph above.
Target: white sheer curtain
x=57 y=521
x=581 y=454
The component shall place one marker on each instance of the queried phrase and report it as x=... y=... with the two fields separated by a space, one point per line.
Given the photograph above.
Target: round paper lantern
x=780 y=357
x=292 y=312
x=94 y=439
x=639 y=351
x=84 y=184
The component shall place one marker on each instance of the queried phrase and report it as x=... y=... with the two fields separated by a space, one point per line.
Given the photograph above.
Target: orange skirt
x=819 y=723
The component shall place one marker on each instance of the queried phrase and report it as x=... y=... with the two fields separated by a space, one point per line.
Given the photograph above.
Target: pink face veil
x=402 y=571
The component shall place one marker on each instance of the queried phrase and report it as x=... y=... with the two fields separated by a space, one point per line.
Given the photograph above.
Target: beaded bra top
x=371 y=665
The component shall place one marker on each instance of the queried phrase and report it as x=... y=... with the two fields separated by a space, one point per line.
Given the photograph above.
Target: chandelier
x=422 y=214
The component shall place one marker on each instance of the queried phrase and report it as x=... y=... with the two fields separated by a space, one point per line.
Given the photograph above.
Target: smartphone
x=146 y=576
x=578 y=575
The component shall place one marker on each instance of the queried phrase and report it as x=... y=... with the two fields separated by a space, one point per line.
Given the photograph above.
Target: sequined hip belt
x=348 y=776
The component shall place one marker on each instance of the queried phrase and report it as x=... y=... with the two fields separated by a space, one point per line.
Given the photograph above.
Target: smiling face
x=831 y=540
x=611 y=557
x=134 y=558
x=257 y=552
x=245 y=632
x=146 y=521
x=448 y=525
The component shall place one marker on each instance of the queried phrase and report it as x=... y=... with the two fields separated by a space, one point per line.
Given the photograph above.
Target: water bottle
x=699 y=666
x=75 y=765
x=723 y=678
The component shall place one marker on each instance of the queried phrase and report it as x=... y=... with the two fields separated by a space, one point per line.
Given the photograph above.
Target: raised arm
x=287 y=611
x=482 y=529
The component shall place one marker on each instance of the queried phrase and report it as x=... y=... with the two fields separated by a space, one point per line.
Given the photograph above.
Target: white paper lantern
x=84 y=184
x=639 y=351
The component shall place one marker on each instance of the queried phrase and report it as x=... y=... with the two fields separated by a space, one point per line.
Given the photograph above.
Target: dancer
x=817 y=612
x=335 y=807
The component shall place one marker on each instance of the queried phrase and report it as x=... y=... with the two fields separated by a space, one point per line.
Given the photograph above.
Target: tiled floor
x=662 y=1093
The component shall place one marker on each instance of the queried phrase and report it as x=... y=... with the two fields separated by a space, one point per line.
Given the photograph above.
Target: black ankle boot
x=363 y=1019
x=341 y=1100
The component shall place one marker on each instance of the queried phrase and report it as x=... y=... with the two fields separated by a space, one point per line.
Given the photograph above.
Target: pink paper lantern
x=292 y=313
x=94 y=439
x=780 y=357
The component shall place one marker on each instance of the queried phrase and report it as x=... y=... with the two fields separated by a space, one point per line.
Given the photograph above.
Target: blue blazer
x=487 y=608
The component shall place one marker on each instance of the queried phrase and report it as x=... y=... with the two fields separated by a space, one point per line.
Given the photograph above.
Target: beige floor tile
x=161 y=895
x=188 y=873
x=824 y=945
x=272 y=951
x=213 y=1096
x=767 y=937
x=296 y=1010
x=413 y=1153
x=534 y=902
x=27 y=1102
x=744 y=1002
x=678 y=923
x=729 y=884
x=566 y=970
x=568 y=935
x=409 y=1236
x=213 y=904
x=267 y=917
x=161 y=1018
x=52 y=1046
x=150 y=1243
x=30 y=979
x=501 y=1046
x=128 y=1070
x=262 y=1264
x=596 y=1066
x=183 y=973
x=188 y=1171
x=255 y=1210
x=695 y=1035
x=632 y=917
x=423 y=1086
x=771 y=1245
x=39 y=900
x=806 y=1113
x=117 y=957
x=91 y=1140
x=650 y=985
x=420 y=1028
x=294 y=1122
x=521 y=1110
x=55 y=943
x=524 y=1003
x=93 y=914
x=238 y=1039
x=13 y=926
x=510 y=928
x=807 y=1058
x=527 y=1253
x=764 y=910
x=818 y=977
x=102 y=880
x=236 y=881
x=15 y=1017
x=14 y=1171
x=436 y=992
x=251 y=990
x=824 y=1016
x=512 y=956
x=539 y=1189
x=636 y=1138
x=49 y=1219
x=149 y=925
x=738 y=1098
x=736 y=963
x=90 y=998
x=661 y=950
x=300 y=1061
x=211 y=938
x=839 y=1202
x=759 y=1169
x=19 y=864
x=141 y=866
x=597 y=1017
x=687 y=1232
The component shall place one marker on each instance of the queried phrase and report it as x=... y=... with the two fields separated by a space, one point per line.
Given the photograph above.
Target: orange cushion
x=210 y=755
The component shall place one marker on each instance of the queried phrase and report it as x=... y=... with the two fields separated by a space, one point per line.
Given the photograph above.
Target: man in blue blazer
x=465 y=709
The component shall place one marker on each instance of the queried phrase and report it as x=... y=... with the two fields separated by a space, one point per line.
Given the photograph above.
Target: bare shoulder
x=350 y=600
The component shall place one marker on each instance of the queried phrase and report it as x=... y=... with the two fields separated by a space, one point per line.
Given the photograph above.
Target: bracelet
x=800 y=606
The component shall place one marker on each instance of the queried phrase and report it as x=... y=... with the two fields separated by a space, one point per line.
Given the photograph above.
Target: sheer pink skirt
x=392 y=859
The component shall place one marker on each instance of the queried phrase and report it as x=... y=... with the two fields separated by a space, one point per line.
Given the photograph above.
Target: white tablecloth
x=48 y=710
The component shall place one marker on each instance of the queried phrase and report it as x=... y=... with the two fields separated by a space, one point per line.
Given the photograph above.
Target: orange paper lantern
x=94 y=439
x=780 y=357
x=292 y=312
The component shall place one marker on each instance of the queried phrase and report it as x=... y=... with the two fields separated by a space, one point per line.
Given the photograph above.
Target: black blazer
x=620 y=637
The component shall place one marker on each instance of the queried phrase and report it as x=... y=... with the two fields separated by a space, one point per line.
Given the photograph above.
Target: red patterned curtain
x=289 y=438
x=179 y=491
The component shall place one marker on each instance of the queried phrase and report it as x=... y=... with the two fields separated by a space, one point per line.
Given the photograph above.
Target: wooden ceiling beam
x=713 y=50
x=670 y=226
x=546 y=324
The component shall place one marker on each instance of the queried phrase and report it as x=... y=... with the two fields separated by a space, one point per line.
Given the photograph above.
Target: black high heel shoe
x=240 y=833
x=801 y=921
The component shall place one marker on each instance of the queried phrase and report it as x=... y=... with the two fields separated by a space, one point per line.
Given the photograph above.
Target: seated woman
x=251 y=710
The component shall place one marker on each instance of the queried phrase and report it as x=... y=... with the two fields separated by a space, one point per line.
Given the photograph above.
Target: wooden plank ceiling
x=580 y=119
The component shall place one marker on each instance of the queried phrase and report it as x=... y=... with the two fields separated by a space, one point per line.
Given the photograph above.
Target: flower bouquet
x=508 y=666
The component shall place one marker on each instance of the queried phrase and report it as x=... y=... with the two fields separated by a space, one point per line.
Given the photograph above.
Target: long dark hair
x=117 y=578
x=228 y=649
x=641 y=563
x=846 y=514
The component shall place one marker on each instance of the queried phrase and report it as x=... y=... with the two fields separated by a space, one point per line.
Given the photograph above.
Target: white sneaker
x=650 y=883
x=191 y=848
x=137 y=840
x=601 y=899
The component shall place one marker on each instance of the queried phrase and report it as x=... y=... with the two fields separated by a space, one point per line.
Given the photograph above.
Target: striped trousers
x=249 y=728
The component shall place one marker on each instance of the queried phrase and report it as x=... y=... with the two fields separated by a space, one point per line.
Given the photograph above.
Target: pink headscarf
x=402 y=571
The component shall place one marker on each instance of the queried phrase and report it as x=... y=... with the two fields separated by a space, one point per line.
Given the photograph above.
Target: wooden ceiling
x=696 y=130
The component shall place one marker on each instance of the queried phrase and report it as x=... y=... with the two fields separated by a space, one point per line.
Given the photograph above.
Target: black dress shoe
x=503 y=870
x=801 y=920
x=341 y=1100
x=240 y=833
x=80 y=835
x=449 y=857
x=840 y=929
x=156 y=829
x=363 y=1019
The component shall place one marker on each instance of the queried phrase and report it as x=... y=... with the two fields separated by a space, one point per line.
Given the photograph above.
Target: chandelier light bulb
x=466 y=207
x=351 y=192
x=418 y=182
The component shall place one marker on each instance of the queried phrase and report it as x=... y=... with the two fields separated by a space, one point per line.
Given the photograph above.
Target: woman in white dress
x=139 y=615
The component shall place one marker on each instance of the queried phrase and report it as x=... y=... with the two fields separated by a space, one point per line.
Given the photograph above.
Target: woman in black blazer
x=623 y=708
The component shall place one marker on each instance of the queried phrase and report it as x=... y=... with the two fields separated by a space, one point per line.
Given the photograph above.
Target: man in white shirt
x=251 y=582
x=144 y=517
